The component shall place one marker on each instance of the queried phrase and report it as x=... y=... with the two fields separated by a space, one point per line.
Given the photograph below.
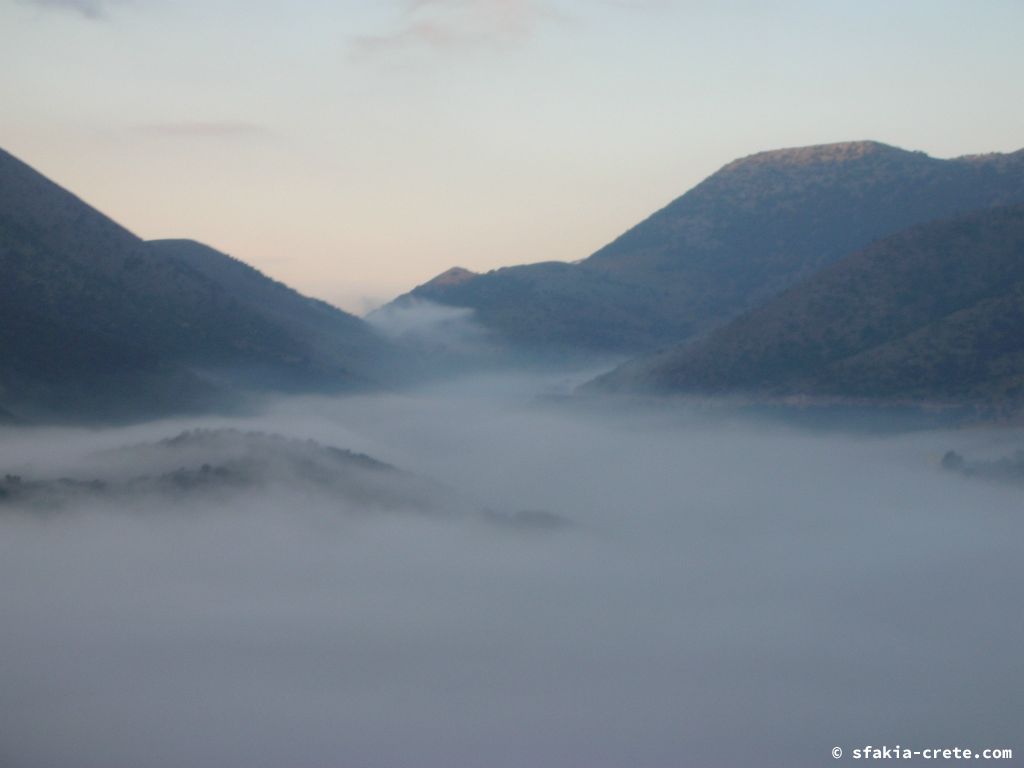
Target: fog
x=725 y=591
x=437 y=338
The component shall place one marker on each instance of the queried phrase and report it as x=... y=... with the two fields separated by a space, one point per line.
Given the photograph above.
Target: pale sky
x=356 y=148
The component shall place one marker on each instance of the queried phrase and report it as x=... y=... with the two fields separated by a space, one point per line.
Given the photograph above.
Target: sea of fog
x=727 y=593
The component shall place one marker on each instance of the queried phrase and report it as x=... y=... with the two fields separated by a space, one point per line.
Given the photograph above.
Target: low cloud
x=426 y=324
x=202 y=129
x=448 y=24
x=89 y=9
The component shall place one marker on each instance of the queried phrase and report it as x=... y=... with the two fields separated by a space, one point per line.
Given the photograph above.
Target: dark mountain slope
x=336 y=337
x=935 y=312
x=96 y=323
x=552 y=306
x=755 y=227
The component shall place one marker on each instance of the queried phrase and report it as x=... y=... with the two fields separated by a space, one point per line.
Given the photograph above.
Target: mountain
x=97 y=323
x=757 y=226
x=934 y=313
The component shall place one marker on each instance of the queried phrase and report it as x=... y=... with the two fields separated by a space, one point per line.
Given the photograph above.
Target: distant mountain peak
x=453 y=276
x=835 y=153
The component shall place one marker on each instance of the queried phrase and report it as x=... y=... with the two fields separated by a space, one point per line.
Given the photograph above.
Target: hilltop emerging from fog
x=224 y=465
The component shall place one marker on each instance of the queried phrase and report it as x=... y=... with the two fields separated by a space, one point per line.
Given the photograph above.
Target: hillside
x=336 y=339
x=757 y=226
x=95 y=323
x=933 y=313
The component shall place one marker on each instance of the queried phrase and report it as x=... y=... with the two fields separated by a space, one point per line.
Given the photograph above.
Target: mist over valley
x=715 y=580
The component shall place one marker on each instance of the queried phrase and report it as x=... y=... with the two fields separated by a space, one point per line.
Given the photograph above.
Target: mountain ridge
x=745 y=233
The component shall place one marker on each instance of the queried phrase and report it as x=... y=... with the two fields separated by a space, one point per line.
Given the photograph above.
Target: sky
x=354 y=149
